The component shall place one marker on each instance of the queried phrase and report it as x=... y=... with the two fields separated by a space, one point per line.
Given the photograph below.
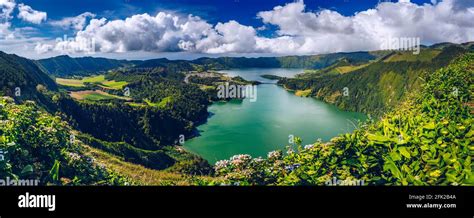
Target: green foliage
x=427 y=140
x=188 y=163
x=37 y=145
x=98 y=97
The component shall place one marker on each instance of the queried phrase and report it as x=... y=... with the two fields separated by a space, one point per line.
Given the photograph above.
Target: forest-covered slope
x=22 y=78
x=65 y=66
x=377 y=87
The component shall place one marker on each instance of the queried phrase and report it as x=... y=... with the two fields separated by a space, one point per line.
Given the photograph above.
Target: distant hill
x=222 y=63
x=172 y=66
x=23 y=73
x=64 y=66
x=307 y=62
x=380 y=85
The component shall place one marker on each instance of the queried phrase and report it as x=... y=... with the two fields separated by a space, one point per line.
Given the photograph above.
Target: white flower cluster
x=221 y=165
x=274 y=155
x=74 y=156
x=240 y=159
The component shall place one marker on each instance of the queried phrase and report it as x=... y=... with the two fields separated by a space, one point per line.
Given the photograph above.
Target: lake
x=256 y=128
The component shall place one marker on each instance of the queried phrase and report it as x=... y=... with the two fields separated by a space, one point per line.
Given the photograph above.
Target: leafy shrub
x=36 y=145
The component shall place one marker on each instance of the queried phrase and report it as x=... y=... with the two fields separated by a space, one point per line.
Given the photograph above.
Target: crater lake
x=256 y=128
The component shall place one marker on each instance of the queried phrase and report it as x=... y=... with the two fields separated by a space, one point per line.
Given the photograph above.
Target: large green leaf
x=392 y=167
x=404 y=151
x=54 y=172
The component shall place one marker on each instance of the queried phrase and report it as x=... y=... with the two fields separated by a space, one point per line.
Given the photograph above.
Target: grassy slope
x=100 y=79
x=70 y=82
x=96 y=95
x=114 y=84
x=138 y=173
x=425 y=55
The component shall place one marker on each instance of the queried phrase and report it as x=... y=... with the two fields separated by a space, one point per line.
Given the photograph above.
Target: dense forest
x=67 y=66
x=20 y=77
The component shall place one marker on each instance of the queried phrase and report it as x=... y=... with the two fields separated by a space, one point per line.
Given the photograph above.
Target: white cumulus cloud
x=6 y=9
x=329 y=31
x=28 y=14
x=77 y=23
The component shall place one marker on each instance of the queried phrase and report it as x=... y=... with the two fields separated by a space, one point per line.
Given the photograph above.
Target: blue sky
x=213 y=11
x=226 y=27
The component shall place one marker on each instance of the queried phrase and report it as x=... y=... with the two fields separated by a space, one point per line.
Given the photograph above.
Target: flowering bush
x=245 y=170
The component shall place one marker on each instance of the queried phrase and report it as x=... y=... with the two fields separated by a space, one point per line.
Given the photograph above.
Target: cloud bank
x=299 y=31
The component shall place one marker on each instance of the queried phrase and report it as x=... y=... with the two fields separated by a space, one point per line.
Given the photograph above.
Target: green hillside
x=341 y=66
x=377 y=87
x=65 y=66
x=22 y=79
